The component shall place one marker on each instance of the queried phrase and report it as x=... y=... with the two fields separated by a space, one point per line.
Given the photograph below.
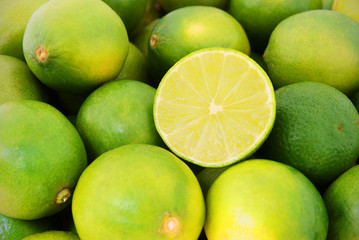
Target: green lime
x=53 y=235
x=170 y=5
x=74 y=46
x=14 y=15
x=138 y=191
x=327 y=4
x=260 y=17
x=316 y=131
x=17 y=229
x=130 y=11
x=214 y=107
x=18 y=83
x=117 y=113
x=141 y=39
x=41 y=159
x=264 y=200
x=342 y=202
x=187 y=29
x=306 y=47
x=135 y=67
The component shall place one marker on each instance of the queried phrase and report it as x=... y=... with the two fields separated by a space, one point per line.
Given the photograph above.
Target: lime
x=327 y=4
x=342 y=202
x=305 y=47
x=130 y=11
x=260 y=17
x=17 y=229
x=264 y=200
x=316 y=131
x=135 y=67
x=14 y=15
x=53 y=235
x=41 y=159
x=18 y=83
x=187 y=29
x=142 y=37
x=117 y=113
x=138 y=191
x=170 y=5
x=214 y=107
x=74 y=46
x=347 y=7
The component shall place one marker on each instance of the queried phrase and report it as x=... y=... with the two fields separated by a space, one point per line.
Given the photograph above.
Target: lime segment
x=214 y=107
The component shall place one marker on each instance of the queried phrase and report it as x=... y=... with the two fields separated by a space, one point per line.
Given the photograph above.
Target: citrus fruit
x=41 y=159
x=187 y=29
x=53 y=235
x=316 y=131
x=74 y=46
x=138 y=191
x=130 y=11
x=305 y=47
x=262 y=199
x=14 y=16
x=260 y=17
x=117 y=113
x=17 y=229
x=214 y=107
x=170 y=5
x=142 y=37
x=347 y=7
x=135 y=67
x=342 y=202
x=327 y=4
x=18 y=83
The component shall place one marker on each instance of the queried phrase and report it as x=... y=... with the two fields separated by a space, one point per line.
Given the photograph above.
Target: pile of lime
x=179 y=119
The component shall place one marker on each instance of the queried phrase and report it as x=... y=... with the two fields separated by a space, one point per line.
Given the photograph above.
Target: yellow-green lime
x=41 y=159
x=135 y=67
x=53 y=235
x=14 y=15
x=130 y=11
x=260 y=17
x=188 y=29
x=264 y=200
x=214 y=107
x=18 y=83
x=347 y=7
x=170 y=5
x=342 y=202
x=75 y=46
x=138 y=191
x=119 y=112
x=316 y=131
x=17 y=229
x=319 y=46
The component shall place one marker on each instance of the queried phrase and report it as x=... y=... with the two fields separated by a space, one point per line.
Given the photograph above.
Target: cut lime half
x=214 y=107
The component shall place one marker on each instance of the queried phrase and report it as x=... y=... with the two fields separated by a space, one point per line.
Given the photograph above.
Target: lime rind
x=232 y=154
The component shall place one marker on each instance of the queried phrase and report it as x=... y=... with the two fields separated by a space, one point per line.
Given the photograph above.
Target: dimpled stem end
x=153 y=40
x=170 y=225
x=63 y=195
x=41 y=54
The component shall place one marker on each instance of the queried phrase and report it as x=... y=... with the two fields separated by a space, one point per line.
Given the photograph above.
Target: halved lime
x=214 y=107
